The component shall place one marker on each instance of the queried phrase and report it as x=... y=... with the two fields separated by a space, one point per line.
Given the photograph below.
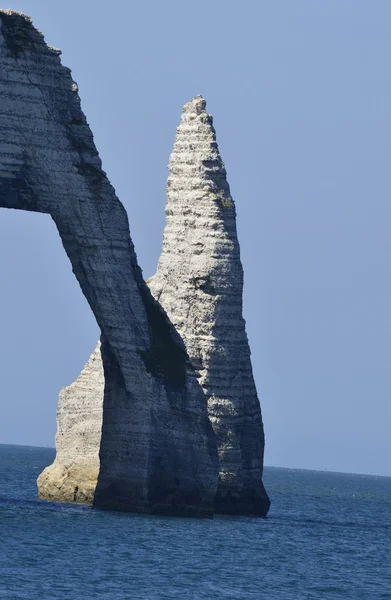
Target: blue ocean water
x=328 y=536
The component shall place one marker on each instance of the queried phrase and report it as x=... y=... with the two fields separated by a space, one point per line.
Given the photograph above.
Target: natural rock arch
x=157 y=450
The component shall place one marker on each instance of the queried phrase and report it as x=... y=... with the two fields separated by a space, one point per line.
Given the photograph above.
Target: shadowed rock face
x=157 y=448
x=199 y=282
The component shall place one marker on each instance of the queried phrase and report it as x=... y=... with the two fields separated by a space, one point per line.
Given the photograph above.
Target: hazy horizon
x=300 y=95
x=266 y=466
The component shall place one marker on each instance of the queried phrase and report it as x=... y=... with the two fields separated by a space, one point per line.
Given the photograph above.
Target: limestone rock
x=157 y=448
x=199 y=282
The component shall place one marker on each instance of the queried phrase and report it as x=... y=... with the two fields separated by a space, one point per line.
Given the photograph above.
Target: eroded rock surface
x=199 y=282
x=157 y=448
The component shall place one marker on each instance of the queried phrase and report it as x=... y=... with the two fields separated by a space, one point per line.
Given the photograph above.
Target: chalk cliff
x=157 y=447
x=199 y=282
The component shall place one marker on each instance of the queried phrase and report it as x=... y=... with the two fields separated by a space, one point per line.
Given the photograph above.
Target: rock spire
x=199 y=282
x=157 y=448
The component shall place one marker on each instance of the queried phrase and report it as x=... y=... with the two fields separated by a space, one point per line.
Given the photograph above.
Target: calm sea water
x=328 y=536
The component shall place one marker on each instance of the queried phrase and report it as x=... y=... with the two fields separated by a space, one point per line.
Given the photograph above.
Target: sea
x=327 y=536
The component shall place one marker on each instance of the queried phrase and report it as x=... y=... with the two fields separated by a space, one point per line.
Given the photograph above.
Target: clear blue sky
x=301 y=95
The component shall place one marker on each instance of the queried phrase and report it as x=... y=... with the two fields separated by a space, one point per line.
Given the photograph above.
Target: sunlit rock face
x=199 y=282
x=157 y=448
x=79 y=430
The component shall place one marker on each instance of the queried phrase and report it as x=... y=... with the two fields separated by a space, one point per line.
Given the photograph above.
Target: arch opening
x=48 y=329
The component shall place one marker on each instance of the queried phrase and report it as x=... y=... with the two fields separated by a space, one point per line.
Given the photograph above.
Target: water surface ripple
x=327 y=536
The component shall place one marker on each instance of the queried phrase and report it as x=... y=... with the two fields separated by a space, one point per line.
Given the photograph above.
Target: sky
x=300 y=93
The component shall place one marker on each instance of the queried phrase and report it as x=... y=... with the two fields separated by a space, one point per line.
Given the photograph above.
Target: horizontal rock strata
x=157 y=449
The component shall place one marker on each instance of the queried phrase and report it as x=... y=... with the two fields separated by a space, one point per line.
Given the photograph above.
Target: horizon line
x=331 y=471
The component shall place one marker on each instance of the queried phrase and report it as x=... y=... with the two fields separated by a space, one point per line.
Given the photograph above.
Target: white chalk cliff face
x=157 y=449
x=199 y=282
